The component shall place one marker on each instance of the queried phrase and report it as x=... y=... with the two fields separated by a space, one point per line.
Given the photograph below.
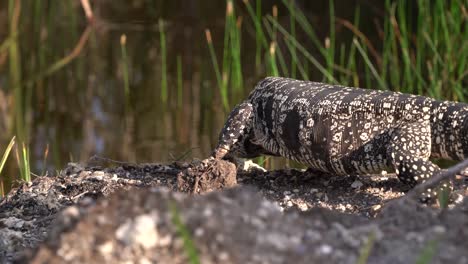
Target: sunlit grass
x=2 y=164
x=28 y=69
x=23 y=161
x=429 y=58
x=219 y=78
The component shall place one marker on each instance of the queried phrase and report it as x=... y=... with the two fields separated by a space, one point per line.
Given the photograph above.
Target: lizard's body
x=346 y=130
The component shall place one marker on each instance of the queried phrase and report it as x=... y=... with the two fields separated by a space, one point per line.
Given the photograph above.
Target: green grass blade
x=219 y=78
x=226 y=64
x=292 y=50
x=26 y=167
x=306 y=26
x=370 y=65
x=273 y=66
x=180 y=81
x=162 y=39
x=260 y=40
x=189 y=246
x=366 y=250
x=330 y=41
x=123 y=42
x=428 y=253
x=303 y=50
x=297 y=62
x=6 y=44
x=15 y=78
x=6 y=153
x=278 y=52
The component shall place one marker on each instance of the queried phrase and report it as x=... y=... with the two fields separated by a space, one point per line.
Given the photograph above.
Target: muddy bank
x=98 y=214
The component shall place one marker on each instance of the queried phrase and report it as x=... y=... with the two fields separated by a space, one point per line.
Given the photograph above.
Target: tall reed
x=233 y=31
x=15 y=79
x=427 y=58
x=272 y=33
x=162 y=38
x=273 y=67
x=229 y=76
x=180 y=81
x=292 y=49
x=22 y=159
x=260 y=38
x=219 y=78
x=123 y=49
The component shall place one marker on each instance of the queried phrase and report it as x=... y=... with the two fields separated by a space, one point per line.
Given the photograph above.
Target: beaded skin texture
x=344 y=130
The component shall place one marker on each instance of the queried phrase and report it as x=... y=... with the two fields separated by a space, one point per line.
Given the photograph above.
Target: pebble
x=356 y=184
x=141 y=231
x=303 y=206
x=144 y=261
x=72 y=212
x=106 y=248
x=438 y=229
x=325 y=249
x=223 y=256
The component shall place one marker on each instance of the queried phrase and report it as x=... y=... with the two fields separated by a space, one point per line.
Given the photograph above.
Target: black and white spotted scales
x=345 y=130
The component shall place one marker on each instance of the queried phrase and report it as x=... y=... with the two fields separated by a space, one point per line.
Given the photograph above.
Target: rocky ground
x=133 y=214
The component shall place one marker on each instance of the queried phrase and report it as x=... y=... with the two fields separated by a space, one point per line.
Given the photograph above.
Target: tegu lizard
x=345 y=130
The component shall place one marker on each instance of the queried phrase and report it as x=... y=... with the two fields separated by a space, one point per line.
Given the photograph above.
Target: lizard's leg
x=409 y=151
x=236 y=128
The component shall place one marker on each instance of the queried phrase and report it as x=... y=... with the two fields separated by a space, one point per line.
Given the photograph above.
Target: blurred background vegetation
x=153 y=80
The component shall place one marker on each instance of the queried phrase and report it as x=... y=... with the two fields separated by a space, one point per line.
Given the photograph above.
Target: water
x=80 y=110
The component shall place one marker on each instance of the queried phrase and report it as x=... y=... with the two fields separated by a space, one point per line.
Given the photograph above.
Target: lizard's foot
x=208 y=175
x=441 y=193
x=464 y=173
x=248 y=166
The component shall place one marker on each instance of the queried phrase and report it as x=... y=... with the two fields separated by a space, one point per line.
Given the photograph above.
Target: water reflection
x=80 y=111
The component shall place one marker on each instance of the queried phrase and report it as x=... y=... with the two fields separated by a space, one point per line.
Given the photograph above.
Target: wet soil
x=153 y=213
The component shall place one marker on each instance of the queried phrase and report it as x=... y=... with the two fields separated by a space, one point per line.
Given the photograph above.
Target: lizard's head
x=245 y=148
x=236 y=142
x=236 y=137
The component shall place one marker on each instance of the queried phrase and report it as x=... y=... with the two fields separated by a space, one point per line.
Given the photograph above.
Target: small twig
x=79 y=195
x=65 y=60
x=197 y=178
x=195 y=185
x=185 y=154
x=95 y=157
x=87 y=9
x=449 y=173
x=361 y=35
